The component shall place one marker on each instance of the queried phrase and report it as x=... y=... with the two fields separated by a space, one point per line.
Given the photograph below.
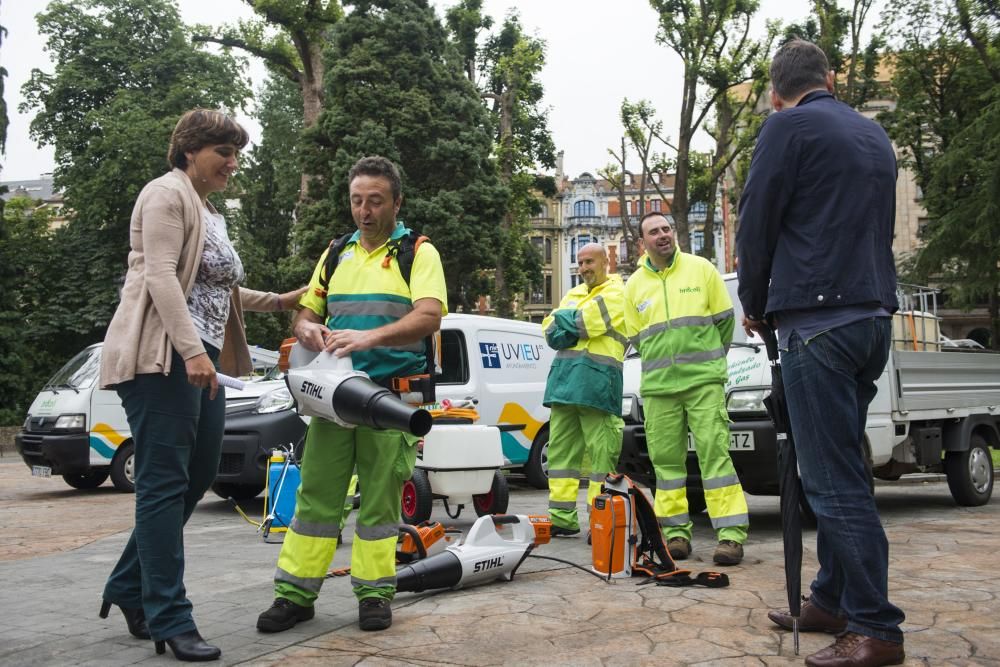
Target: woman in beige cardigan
x=180 y=319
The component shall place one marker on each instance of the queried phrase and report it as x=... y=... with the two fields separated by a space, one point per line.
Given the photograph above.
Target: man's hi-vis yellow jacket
x=588 y=330
x=681 y=320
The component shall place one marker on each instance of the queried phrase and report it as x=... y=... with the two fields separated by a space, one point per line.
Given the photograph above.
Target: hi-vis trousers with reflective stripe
x=574 y=429
x=668 y=418
x=384 y=461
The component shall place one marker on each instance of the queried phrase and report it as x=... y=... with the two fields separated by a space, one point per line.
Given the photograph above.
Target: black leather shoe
x=282 y=615
x=189 y=647
x=854 y=650
x=811 y=619
x=135 y=619
x=374 y=614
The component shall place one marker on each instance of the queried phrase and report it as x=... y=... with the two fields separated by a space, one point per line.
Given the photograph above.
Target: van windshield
x=80 y=372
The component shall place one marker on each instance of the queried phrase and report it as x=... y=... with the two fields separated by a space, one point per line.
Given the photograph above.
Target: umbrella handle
x=770 y=341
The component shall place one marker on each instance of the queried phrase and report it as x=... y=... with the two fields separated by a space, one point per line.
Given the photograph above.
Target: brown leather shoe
x=811 y=619
x=854 y=650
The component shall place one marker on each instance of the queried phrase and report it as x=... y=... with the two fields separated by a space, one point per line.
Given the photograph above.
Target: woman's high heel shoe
x=135 y=619
x=189 y=647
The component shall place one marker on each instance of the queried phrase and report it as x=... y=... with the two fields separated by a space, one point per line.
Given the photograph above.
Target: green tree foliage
x=395 y=87
x=11 y=361
x=288 y=36
x=506 y=67
x=829 y=26
x=946 y=57
x=26 y=244
x=711 y=37
x=268 y=180
x=124 y=72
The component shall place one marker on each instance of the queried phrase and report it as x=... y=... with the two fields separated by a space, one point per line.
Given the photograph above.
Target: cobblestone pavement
x=61 y=543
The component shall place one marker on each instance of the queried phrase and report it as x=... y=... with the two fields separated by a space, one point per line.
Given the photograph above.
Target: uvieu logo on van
x=490 y=354
x=513 y=355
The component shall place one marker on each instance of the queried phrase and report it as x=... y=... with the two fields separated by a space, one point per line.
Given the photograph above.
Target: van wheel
x=970 y=473
x=123 y=468
x=536 y=470
x=417 y=500
x=87 y=480
x=494 y=501
x=226 y=490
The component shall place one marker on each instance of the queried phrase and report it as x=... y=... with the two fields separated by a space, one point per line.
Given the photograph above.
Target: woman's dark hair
x=203 y=127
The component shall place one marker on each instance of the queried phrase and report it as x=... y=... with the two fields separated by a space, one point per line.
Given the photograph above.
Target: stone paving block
x=711 y=615
x=746 y=640
x=689 y=651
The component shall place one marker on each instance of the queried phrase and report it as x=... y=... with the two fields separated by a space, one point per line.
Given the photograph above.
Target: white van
x=501 y=364
x=79 y=431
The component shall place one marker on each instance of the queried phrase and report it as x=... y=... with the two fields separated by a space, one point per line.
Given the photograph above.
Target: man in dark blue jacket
x=815 y=260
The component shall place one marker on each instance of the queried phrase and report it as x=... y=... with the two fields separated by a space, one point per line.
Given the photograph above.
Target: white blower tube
x=327 y=386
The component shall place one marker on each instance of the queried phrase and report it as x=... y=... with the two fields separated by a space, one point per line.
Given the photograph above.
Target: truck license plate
x=41 y=471
x=739 y=441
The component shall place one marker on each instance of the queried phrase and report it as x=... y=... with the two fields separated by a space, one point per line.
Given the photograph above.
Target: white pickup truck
x=935 y=411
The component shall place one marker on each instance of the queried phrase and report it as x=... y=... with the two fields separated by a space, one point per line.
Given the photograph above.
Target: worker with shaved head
x=584 y=388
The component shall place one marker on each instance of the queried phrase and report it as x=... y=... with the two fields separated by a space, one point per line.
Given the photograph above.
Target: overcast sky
x=598 y=52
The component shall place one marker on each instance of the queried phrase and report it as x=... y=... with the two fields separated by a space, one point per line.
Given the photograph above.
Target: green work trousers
x=384 y=460
x=702 y=410
x=573 y=430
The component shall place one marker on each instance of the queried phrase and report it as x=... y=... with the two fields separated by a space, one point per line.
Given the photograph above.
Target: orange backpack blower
x=626 y=539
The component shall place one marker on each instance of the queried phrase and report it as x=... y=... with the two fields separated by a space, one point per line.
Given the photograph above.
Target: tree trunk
x=679 y=208
x=311 y=84
x=503 y=305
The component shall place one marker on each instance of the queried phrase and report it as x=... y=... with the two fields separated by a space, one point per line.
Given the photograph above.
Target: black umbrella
x=788 y=480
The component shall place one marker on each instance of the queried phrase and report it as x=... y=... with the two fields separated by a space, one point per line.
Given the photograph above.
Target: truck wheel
x=536 y=470
x=970 y=473
x=123 y=468
x=87 y=480
x=495 y=501
x=417 y=498
x=228 y=490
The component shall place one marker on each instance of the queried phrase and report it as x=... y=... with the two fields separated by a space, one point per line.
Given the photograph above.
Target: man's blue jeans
x=829 y=384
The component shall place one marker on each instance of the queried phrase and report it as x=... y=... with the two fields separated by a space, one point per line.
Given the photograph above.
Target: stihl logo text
x=488 y=564
x=310 y=389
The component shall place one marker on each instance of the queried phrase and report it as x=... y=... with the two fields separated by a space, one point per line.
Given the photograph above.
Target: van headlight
x=748 y=400
x=72 y=422
x=276 y=400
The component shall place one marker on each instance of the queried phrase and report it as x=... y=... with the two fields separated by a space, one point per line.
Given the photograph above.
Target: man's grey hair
x=798 y=67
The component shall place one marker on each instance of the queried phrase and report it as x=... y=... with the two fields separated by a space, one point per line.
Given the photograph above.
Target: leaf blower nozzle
x=327 y=386
x=362 y=402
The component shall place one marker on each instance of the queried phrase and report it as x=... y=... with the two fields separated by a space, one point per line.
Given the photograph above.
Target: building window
x=548 y=289
x=543 y=211
x=654 y=205
x=584 y=207
x=548 y=249
x=697 y=241
x=699 y=208
x=538 y=243
x=576 y=243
